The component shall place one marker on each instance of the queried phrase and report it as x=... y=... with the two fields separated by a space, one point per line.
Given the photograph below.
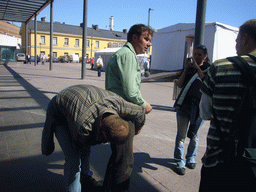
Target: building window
x=65 y=54
x=54 y=40
x=42 y=53
x=66 y=41
x=42 y=39
x=87 y=43
x=97 y=44
x=115 y=45
x=77 y=42
x=54 y=54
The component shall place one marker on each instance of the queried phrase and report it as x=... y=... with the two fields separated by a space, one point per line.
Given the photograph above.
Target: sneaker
x=191 y=165
x=180 y=170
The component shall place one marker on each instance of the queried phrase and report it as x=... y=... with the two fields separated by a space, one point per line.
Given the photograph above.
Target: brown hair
x=117 y=130
x=249 y=27
x=138 y=29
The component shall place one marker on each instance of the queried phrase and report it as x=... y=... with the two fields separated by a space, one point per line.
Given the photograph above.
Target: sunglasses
x=200 y=47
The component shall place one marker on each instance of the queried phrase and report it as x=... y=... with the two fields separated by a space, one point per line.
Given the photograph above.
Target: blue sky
x=166 y=12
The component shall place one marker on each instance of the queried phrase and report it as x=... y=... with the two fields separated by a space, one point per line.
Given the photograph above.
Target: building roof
x=9 y=29
x=191 y=26
x=21 y=10
x=58 y=27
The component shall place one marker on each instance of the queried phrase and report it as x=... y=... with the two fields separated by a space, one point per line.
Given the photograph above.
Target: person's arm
x=134 y=113
x=199 y=71
x=181 y=80
x=130 y=79
x=205 y=107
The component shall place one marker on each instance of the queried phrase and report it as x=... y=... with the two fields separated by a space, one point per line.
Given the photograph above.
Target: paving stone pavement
x=25 y=91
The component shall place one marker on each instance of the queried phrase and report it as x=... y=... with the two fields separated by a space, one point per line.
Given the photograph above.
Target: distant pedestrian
x=99 y=65
x=92 y=63
x=146 y=66
x=43 y=59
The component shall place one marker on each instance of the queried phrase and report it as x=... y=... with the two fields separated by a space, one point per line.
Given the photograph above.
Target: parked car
x=54 y=59
x=74 y=58
x=64 y=59
x=20 y=57
x=87 y=60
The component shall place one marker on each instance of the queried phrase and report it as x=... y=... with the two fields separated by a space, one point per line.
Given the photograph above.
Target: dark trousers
x=225 y=177
x=99 y=71
x=120 y=165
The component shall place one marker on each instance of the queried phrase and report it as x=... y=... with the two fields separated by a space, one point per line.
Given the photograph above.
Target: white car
x=20 y=57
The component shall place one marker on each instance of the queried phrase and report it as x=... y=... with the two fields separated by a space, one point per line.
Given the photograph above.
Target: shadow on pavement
x=33 y=173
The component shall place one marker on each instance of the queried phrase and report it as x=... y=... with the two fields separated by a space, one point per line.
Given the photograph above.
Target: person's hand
x=194 y=65
x=148 y=108
x=187 y=63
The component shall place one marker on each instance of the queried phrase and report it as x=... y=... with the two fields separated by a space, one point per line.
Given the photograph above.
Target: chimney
x=125 y=31
x=95 y=27
x=111 y=26
x=43 y=19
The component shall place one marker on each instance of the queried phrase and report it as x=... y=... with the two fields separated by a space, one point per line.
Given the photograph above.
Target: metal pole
x=84 y=39
x=51 y=34
x=26 y=39
x=149 y=15
x=200 y=22
x=35 y=23
x=92 y=39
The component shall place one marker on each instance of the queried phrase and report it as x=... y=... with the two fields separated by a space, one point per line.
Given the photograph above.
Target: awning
x=21 y=10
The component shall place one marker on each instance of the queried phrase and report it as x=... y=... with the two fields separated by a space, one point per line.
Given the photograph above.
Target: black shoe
x=180 y=170
x=90 y=184
x=191 y=165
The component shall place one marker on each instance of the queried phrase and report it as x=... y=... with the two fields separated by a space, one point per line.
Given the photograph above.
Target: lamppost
x=149 y=15
x=92 y=38
x=148 y=23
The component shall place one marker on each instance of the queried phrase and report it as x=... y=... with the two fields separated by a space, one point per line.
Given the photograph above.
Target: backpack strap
x=252 y=57
x=248 y=75
x=249 y=79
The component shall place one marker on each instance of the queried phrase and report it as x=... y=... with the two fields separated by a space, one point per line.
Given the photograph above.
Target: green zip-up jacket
x=123 y=75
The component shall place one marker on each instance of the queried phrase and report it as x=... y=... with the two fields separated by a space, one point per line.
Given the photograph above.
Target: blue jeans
x=183 y=120
x=75 y=162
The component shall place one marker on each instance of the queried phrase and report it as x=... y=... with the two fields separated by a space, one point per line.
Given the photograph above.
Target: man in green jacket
x=123 y=74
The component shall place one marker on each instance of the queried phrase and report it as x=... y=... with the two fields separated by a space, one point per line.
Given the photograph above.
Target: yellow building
x=67 y=39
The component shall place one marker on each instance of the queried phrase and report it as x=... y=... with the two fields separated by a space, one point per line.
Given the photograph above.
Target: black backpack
x=241 y=144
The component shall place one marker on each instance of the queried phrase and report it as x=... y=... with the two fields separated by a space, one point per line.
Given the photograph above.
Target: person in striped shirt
x=222 y=91
x=82 y=116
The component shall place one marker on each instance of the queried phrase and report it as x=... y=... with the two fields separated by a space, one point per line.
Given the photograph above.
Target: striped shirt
x=224 y=85
x=82 y=107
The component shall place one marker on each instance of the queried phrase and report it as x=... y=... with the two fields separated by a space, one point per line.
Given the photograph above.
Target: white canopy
x=174 y=43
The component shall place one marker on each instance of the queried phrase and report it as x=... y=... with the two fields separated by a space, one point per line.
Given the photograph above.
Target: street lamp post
x=148 y=23
x=92 y=38
x=149 y=15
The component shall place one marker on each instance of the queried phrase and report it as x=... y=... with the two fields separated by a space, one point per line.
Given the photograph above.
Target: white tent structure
x=105 y=54
x=108 y=52
x=171 y=45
